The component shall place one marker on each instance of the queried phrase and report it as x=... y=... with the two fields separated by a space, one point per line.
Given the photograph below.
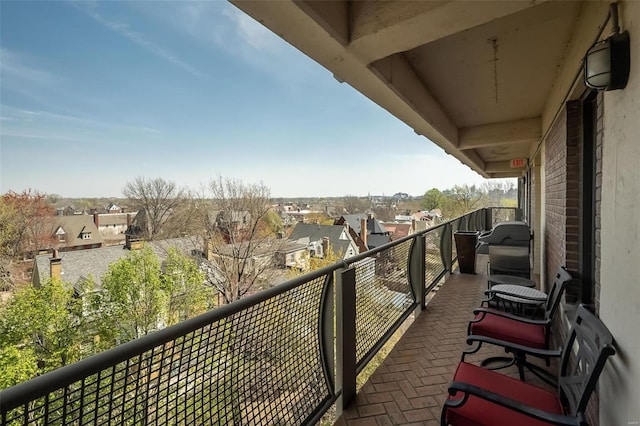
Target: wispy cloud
x=253 y=33
x=137 y=38
x=14 y=65
x=42 y=124
x=26 y=76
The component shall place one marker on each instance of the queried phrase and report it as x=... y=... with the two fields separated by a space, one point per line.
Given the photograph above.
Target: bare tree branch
x=157 y=198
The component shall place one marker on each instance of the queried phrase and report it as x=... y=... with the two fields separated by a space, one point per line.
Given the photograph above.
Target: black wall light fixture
x=607 y=62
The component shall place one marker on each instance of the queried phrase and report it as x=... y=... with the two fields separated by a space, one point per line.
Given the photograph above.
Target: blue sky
x=94 y=94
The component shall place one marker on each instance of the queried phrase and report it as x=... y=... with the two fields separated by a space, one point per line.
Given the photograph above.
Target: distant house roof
x=109 y=219
x=377 y=234
x=377 y=240
x=339 y=238
x=373 y=225
x=78 y=266
x=268 y=247
x=74 y=231
x=398 y=230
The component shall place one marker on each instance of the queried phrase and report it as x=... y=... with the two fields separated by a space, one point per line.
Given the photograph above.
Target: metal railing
x=282 y=356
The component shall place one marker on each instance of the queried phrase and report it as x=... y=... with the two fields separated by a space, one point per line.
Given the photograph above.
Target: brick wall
x=598 y=197
x=555 y=170
x=573 y=209
x=563 y=170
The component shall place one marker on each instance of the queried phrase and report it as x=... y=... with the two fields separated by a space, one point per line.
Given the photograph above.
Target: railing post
x=327 y=332
x=446 y=249
x=488 y=218
x=345 y=337
x=417 y=269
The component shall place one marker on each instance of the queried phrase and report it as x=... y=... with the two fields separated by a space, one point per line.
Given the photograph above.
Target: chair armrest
x=541 y=353
x=492 y=293
x=468 y=389
x=489 y=311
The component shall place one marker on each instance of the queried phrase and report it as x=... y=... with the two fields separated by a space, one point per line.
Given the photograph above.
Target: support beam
x=527 y=131
x=398 y=73
x=382 y=28
x=502 y=175
x=501 y=167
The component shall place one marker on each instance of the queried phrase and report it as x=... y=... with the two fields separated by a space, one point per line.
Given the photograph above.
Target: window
x=62 y=236
x=86 y=235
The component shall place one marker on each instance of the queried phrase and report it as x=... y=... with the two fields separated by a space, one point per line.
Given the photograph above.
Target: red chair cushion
x=513 y=331
x=477 y=411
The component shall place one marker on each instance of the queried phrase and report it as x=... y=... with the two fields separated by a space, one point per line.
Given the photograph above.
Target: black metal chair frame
x=519 y=353
x=581 y=361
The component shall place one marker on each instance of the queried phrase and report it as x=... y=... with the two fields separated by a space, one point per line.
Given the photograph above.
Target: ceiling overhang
x=481 y=79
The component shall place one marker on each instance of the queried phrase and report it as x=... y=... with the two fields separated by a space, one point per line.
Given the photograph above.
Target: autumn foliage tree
x=25 y=226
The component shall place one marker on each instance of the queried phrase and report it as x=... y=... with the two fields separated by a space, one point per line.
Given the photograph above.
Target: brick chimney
x=55 y=265
x=96 y=219
x=208 y=248
x=128 y=220
x=325 y=246
x=133 y=243
x=363 y=232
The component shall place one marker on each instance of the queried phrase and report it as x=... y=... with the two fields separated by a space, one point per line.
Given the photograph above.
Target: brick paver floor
x=410 y=386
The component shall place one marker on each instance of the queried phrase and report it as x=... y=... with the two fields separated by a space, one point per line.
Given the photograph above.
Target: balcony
x=288 y=354
x=410 y=386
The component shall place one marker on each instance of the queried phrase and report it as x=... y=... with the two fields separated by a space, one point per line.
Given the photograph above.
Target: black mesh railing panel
x=383 y=294
x=433 y=260
x=258 y=366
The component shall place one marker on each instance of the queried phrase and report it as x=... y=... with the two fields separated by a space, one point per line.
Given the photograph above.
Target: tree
x=462 y=199
x=41 y=329
x=182 y=281
x=353 y=204
x=25 y=226
x=271 y=224
x=240 y=239
x=184 y=218
x=133 y=302
x=499 y=190
x=157 y=199
x=310 y=264
x=432 y=199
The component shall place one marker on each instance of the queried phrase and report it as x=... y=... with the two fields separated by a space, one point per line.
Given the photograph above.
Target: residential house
x=231 y=224
x=271 y=252
x=113 y=226
x=77 y=232
x=426 y=219
x=399 y=230
x=367 y=231
x=76 y=267
x=113 y=208
x=319 y=238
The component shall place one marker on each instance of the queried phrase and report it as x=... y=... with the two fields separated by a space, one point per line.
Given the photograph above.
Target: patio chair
x=497 y=327
x=484 y=397
x=510 y=260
